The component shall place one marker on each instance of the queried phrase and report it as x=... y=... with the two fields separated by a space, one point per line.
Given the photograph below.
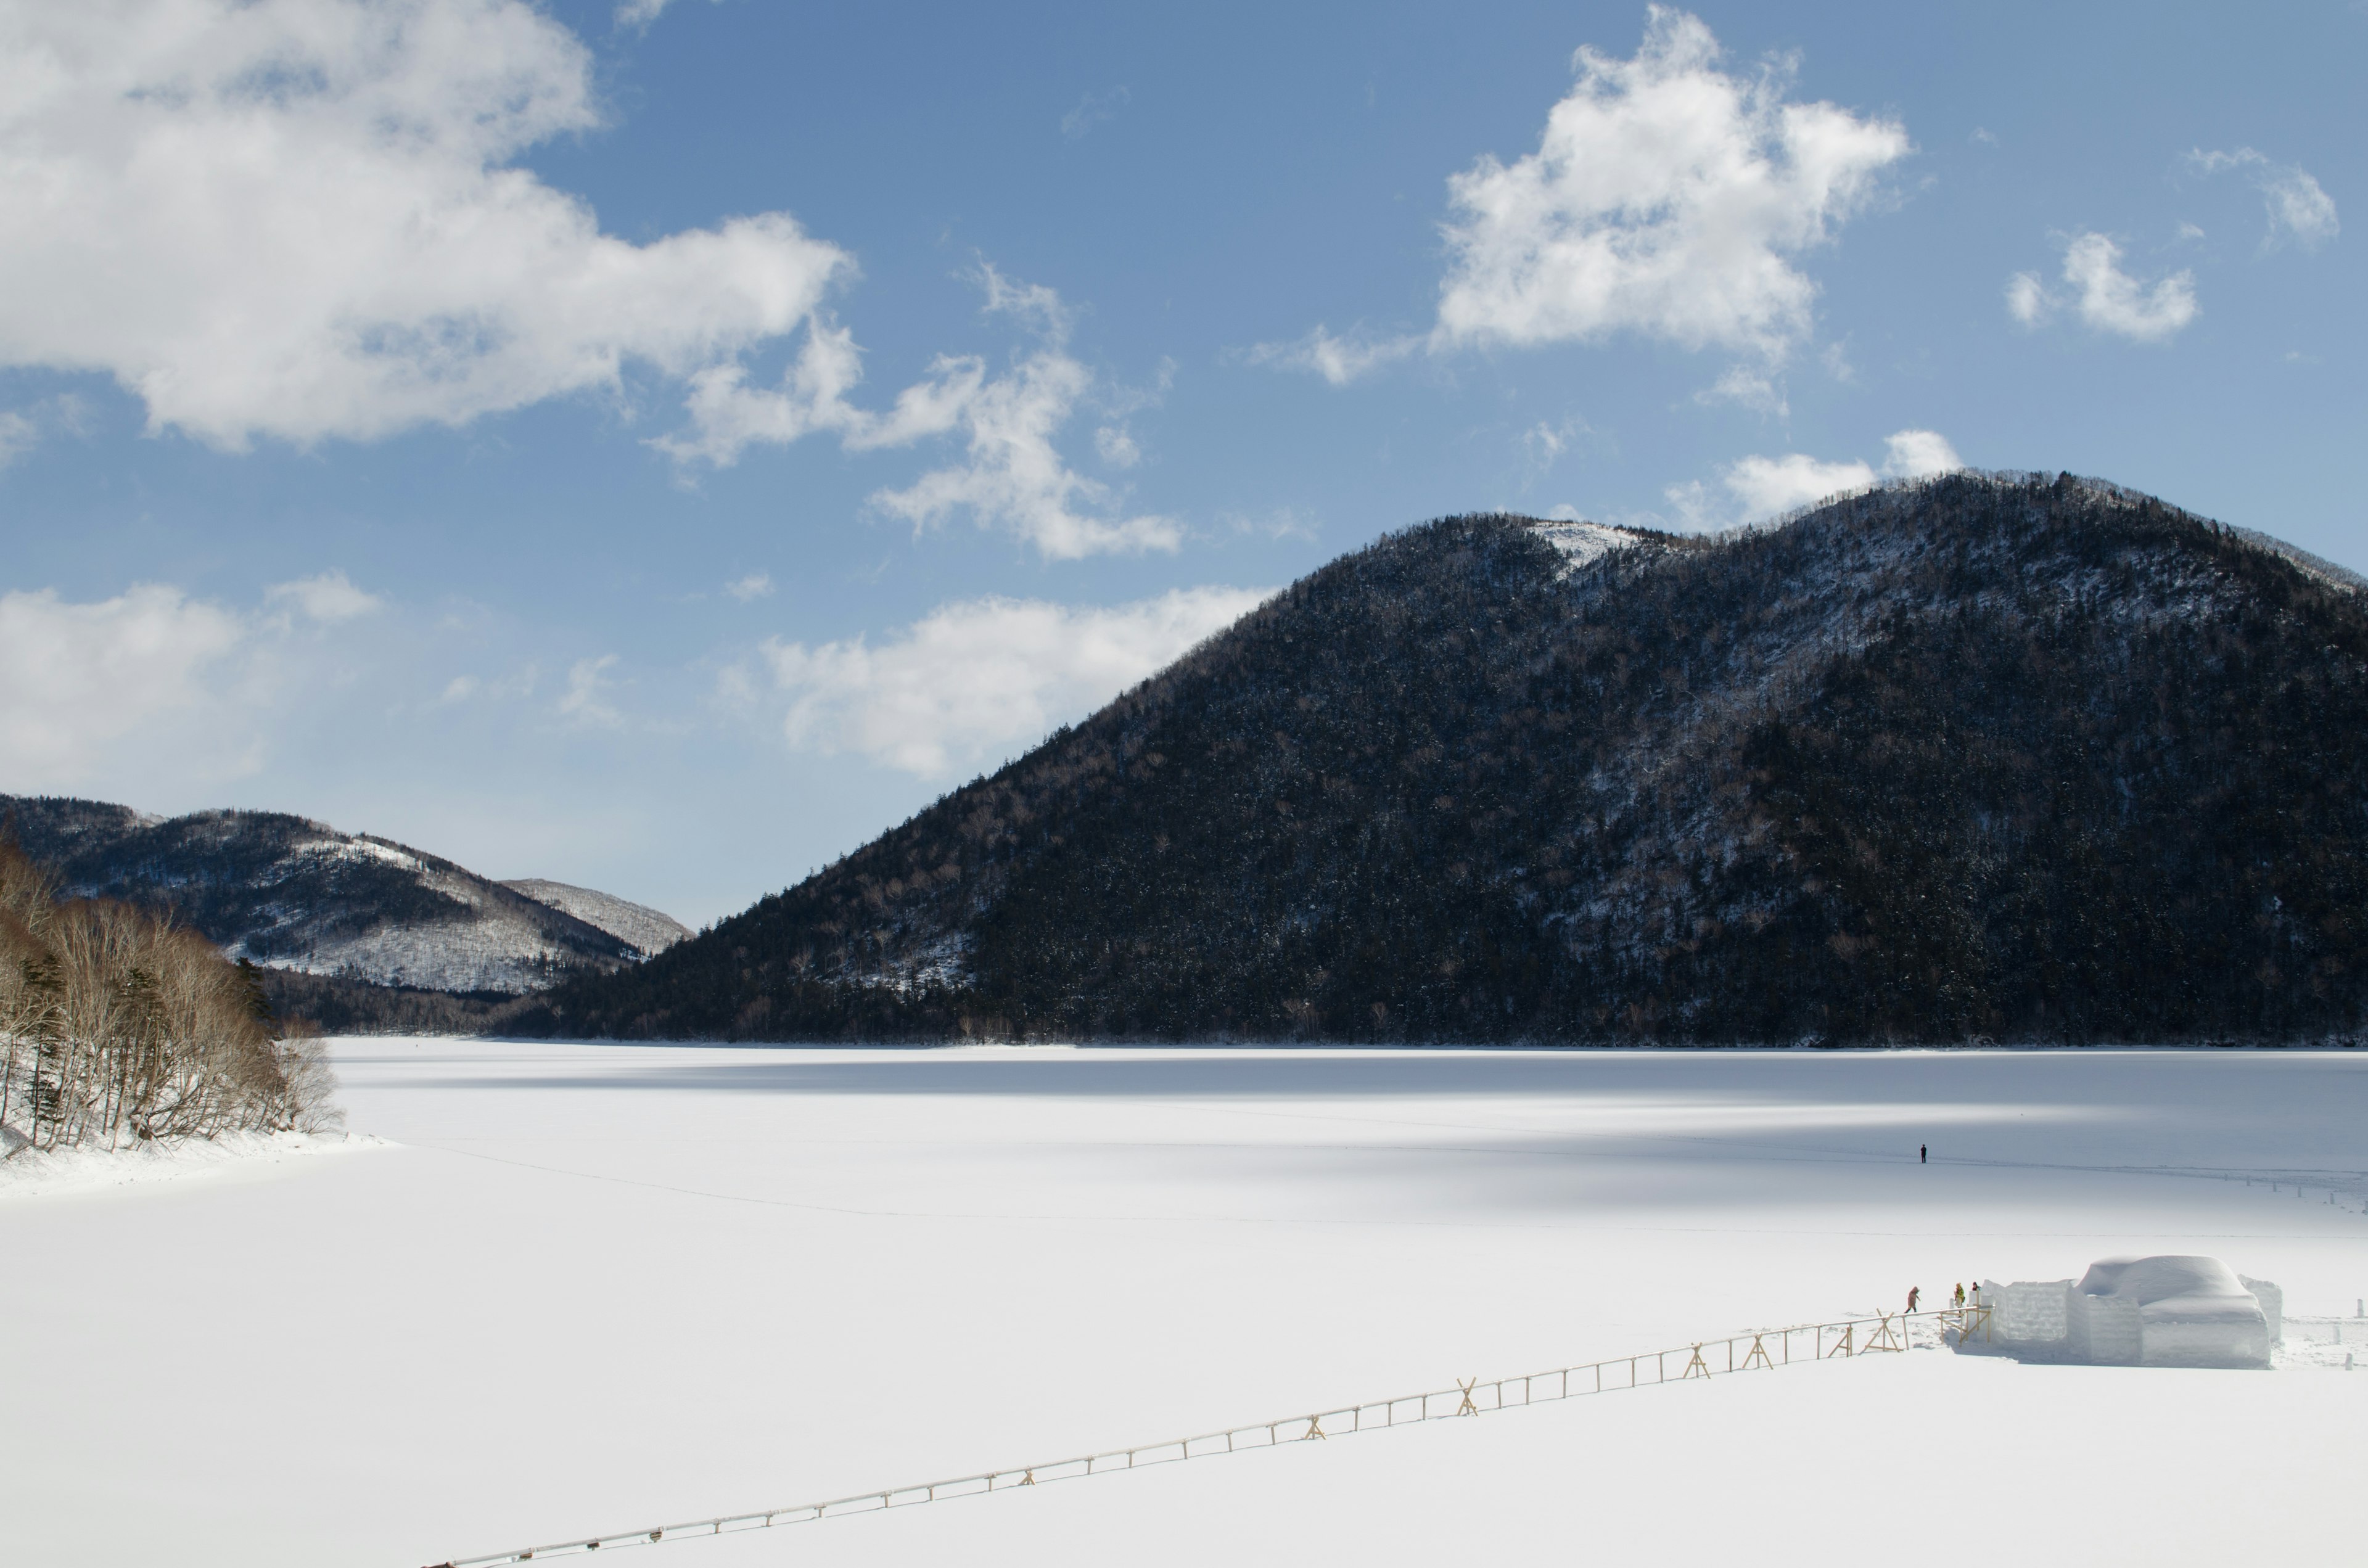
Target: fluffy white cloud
x=755 y=585
x=1918 y=454
x=1012 y=475
x=2112 y=300
x=1760 y=487
x=303 y=219
x=1766 y=487
x=977 y=680
x=2298 y=208
x=1666 y=198
x=2105 y=297
x=150 y=684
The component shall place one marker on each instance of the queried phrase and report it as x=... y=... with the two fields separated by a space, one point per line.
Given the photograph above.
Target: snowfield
x=585 y=1288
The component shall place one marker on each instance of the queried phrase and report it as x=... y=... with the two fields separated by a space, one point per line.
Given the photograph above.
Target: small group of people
x=1962 y=1298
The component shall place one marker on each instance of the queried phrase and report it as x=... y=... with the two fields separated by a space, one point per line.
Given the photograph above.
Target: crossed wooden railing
x=1763 y=1350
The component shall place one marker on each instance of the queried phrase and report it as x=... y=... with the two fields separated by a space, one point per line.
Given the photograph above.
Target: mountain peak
x=1980 y=756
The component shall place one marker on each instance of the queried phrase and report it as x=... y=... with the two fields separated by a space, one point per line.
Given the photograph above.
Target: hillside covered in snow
x=2006 y=756
x=300 y=898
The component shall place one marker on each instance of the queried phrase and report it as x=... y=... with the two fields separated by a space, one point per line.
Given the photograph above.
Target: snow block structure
x=2139 y=1312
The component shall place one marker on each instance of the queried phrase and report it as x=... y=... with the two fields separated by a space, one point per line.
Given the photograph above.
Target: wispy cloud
x=1012 y=475
x=326 y=598
x=155 y=684
x=2299 y=210
x=1094 y=108
x=586 y=700
x=975 y=681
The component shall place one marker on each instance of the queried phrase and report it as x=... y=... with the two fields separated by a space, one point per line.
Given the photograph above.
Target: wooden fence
x=1765 y=1350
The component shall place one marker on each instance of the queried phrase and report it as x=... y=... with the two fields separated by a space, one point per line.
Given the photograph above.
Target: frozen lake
x=585 y=1287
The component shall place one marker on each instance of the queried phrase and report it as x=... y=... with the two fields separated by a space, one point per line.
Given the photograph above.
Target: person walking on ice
x=1923 y=1153
x=1913 y=1291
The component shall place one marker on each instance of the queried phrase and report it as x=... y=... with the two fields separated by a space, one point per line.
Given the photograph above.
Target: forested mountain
x=1981 y=756
x=298 y=897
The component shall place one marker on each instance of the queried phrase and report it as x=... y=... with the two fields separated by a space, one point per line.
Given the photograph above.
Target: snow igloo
x=2139 y=1312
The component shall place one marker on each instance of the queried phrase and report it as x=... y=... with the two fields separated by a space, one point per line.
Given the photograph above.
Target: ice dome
x=2179 y=1310
x=2173 y=1310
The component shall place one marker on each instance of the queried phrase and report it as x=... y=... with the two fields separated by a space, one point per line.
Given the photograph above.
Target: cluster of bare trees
x=118 y=1026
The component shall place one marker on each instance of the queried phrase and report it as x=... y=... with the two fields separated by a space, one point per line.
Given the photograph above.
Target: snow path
x=603 y=1284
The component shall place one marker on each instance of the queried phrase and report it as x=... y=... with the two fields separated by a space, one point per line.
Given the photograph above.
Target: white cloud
x=22 y=429
x=327 y=599
x=2027 y=299
x=1919 y=454
x=2298 y=208
x=1094 y=108
x=1666 y=198
x=1012 y=476
x=2112 y=300
x=2105 y=297
x=1117 y=447
x=1767 y=486
x=1339 y=360
x=1278 y=523
x=152 y=680
x=586 y=700
x=304 y=219
x=1755 y=389
x=977 y=680
x=1761 y=487
x=1545 y=441
x=755 y=585
x=18 y=435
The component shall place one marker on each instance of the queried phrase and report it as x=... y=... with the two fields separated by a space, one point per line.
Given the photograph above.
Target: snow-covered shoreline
x=596 y=1287
x=33 y=1173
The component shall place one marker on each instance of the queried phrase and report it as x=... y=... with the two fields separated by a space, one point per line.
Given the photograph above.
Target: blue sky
x=659 y=446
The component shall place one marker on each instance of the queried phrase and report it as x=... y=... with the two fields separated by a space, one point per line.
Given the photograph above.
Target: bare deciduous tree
x=118 y=1025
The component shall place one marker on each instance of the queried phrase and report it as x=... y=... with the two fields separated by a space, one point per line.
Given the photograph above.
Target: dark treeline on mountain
x=1983 y=756
x=336 y=1003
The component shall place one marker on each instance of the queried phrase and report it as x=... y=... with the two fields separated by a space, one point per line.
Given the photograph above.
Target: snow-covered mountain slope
x=2009 y=755
x=639 y=926
x=292 y=894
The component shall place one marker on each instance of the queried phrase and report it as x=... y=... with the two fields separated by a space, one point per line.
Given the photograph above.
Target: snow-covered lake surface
x=585 y=1288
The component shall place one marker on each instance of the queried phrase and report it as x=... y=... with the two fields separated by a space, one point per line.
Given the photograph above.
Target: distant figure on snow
x=1923 y=1153
x=1913 y=1291
x=1961 y=1295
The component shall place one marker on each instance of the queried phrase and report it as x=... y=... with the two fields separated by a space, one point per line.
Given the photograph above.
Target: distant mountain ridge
x=639 y=926
x=291 y=894
x=2008 y=757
